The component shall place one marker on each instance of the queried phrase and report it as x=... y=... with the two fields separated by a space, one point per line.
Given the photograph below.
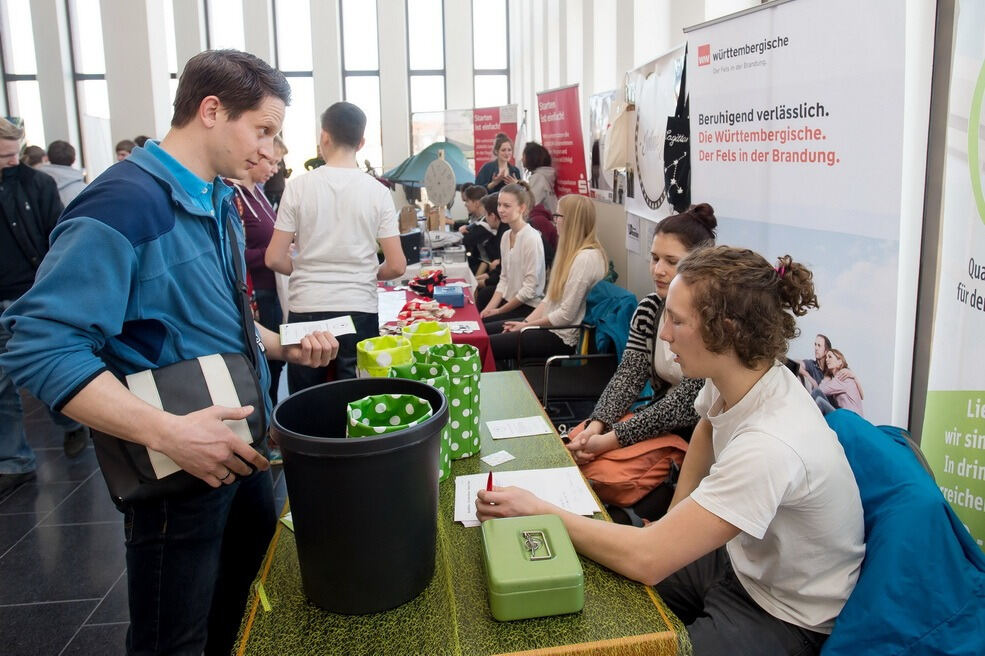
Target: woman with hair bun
x=498 y=173
x=647 y=358
x=764 y=540
x=521 y=280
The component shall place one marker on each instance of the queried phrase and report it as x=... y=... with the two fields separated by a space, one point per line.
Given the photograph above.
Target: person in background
x=521 y=283
x=839 y=388
x=812 y=371
x=140 y=276
x=646 y=357
x=30 y=207
x=581 y=262
x=123 y=149
x=335 y=215
x=476 y=231
x=499 y=172
x=34 y=156
x=140 y=140
x=472 y=196
x=70 y=181
x=273 y=188
x=489 y=253
x=542 y=179
x=764 y=539
x=258 y=219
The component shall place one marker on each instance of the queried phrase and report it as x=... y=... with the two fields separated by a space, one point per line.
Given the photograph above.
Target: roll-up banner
x=487 y=122
x=560 y=132
x=797 y=144
x=953 y=437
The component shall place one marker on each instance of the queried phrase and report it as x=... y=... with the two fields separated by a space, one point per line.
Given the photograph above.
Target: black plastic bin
x=365 y=509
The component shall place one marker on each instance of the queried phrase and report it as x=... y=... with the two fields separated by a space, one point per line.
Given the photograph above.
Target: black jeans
x=722 y=618
x=367 y=325
x=190 y=564
x=540 y=344
x=271 y=316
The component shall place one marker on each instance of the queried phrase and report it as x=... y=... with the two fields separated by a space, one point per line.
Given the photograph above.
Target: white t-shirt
x=337 y=214
x=781 y=476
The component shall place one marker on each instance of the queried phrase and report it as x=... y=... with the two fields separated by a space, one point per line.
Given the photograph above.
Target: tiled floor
x=63 y=584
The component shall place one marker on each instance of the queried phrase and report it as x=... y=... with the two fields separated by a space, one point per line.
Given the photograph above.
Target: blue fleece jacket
x=139 y=275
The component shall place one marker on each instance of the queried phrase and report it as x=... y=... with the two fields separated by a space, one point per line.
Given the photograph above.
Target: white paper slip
x=564 y=487
x=288 y=521
x=463 y=326
x=497 y=458
x=389 y=305
x=520 y=427
x=291 y=333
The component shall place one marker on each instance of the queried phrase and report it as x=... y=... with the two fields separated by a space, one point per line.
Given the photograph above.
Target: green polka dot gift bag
x=463 y=365
x=434 y=375
x=385 y=413
x=424 y=334
x=375 y=356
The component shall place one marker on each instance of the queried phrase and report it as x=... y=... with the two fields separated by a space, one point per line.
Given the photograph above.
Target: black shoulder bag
x=134 y=472
x=677 y=151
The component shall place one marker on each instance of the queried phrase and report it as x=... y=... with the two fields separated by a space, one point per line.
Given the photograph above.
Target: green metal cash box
x=532 y=569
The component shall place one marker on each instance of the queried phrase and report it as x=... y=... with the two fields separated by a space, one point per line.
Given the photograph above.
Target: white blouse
x=523 y=273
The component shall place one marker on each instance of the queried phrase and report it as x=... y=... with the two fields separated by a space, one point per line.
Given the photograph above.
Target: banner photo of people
x=487 y=122
x=782 y=151
x=561 y=134
x=953 y=437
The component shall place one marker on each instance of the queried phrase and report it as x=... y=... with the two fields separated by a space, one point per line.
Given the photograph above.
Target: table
x=478 y=338
x=452 y=615
x=453 y=271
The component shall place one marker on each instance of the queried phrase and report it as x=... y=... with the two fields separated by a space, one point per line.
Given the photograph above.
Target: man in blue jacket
x=140 y=276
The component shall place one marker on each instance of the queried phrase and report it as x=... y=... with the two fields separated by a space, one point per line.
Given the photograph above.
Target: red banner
x=560 y=133
x=487 y=123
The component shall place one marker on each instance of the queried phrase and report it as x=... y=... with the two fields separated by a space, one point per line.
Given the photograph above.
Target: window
x=170 y=42
x=92 y=94
x=292 y=55
x=224 y=19
x=426 y=55
x=20 y=70
x=361 y=72
x=491 y=44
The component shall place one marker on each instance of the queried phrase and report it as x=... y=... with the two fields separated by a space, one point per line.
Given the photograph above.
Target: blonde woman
x=579 y=264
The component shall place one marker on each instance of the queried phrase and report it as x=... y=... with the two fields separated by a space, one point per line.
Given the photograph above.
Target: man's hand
x=509 y=502
x=202 y=445
x=314 y=350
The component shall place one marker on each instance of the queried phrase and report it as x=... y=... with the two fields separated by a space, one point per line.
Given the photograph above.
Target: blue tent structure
x=411 y=171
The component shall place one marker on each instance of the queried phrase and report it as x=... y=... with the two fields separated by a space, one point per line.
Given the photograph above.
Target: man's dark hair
x=61 y=152
x=475 y=192
x=126 y=145
x=238 y=79
x=141 y=140
x=345 y=123
x=32 y=155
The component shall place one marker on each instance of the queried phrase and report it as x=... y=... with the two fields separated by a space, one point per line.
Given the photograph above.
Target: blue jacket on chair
x=921 y=589
x=609 y=308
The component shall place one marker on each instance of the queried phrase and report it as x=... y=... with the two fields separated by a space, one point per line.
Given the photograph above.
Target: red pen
x=489 y=483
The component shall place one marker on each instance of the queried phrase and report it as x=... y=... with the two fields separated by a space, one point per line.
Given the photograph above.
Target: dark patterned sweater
x=672 y=411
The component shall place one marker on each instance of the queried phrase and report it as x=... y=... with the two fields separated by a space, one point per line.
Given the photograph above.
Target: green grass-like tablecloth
x=452 y=615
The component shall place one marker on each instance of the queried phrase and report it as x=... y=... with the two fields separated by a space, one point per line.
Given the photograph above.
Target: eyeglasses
x=556 y=216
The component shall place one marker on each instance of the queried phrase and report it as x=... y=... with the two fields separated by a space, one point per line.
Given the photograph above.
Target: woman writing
x=840 y=385
x=764 y=539
x=258 y=218
x=521 y=281
x=648 y=358
x=579 y=264
x=499 y=172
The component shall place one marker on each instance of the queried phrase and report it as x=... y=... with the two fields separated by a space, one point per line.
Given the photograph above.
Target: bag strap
x=241 y=298
x=682 y=109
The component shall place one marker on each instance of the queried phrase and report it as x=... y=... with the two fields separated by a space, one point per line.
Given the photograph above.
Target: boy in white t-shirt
x=336 y=215
x=764 y=539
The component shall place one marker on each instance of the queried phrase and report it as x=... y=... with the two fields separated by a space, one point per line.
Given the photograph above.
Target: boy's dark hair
x=32 y=155
x=126 y=145
x=535 y=156
x=238 y=79
x=141 y=140
x=345 y=123
x=61 y=152
x=491 y=203
x=475 y=192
